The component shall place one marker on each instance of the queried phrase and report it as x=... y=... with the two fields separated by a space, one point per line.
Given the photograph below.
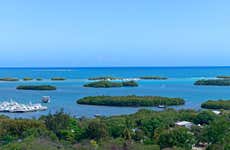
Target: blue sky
x=87 y=33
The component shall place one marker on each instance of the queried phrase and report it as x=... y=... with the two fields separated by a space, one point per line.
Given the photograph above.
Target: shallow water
x=180 y=84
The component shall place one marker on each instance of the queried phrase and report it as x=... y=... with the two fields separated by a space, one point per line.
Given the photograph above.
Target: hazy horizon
x=103 y=33
x=73 y=67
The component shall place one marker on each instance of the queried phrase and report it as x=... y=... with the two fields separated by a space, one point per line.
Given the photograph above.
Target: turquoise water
x=180 y=84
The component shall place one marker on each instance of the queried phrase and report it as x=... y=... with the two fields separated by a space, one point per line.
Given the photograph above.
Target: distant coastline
x=114 y=67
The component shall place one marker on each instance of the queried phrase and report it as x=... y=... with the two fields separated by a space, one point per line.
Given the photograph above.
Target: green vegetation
x=132 y=100
x=213 y=82
x=39 y=79
x=220 y=104
x=223 y=77
x=34 y=143
x=130 y=83
x=146 y=129
x=180 y=137
x=105 y=78
x=153 y=78
x=36 y=87
x=58 y=79
x=109 y=84
x=9 y=79
x=27 y=79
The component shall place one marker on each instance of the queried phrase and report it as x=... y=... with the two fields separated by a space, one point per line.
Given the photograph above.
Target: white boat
x=14 y=107
x=46 y=99
x=161 y=106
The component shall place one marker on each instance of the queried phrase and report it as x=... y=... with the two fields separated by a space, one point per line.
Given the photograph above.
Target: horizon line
x=28 y=67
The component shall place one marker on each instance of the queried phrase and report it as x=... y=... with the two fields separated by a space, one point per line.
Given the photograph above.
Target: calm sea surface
x=180 y=84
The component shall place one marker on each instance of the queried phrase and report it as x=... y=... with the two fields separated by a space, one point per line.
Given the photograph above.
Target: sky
x=102 y=33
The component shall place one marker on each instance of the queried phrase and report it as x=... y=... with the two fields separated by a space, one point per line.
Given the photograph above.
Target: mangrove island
x=9 y=79
x=213 y=82
x=36 y=87
x=223 y=77
x=219 y=104
x=133 y=101
x=27 y=79
x=58 y=79
x=153 y=78
x=39 y=79
x=109 y=84
x=104 y=78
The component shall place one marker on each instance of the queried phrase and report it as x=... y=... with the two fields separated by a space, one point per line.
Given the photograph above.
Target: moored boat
x=46 y=99
x=161 y=106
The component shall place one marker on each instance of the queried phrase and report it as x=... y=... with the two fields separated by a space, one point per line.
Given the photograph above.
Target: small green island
x=213 y=82
x=39 y=79
x=27 y=79
x=223 y=77
x=109 y=84
x=105 y=78
x=130 y=101
x=9 y=79
x=58 y=79
x=153 y=78
x=36 y=87
x=219 y=104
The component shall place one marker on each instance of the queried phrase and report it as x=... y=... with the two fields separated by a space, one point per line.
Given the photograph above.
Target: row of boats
x=15 y=107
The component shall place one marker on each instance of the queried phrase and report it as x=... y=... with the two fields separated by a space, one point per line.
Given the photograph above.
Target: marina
x=15 y=107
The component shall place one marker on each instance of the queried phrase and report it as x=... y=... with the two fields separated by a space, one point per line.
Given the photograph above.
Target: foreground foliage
x=146 y=129
x=130 y=101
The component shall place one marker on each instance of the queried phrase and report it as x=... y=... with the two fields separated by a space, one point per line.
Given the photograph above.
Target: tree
x=64 y=126
x=179 y=137
x=116 y=126
x=96 y=129
x=139 y=135
x=205 y=117
x=217 y=131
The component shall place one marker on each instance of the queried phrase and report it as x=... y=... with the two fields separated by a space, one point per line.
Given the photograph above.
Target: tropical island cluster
x=99 y=82
x=146 y=129
x=30 y=79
